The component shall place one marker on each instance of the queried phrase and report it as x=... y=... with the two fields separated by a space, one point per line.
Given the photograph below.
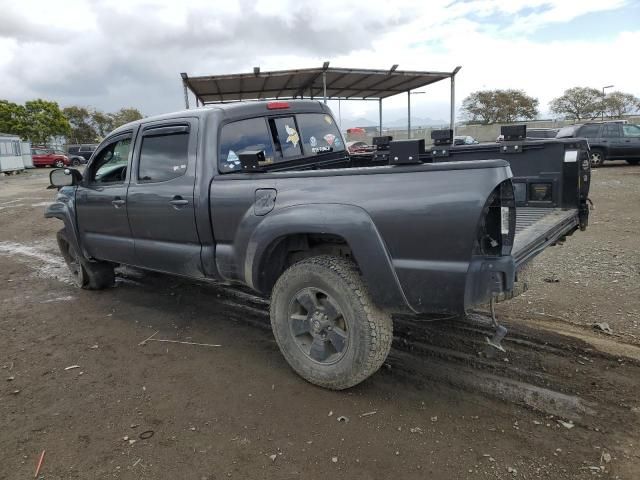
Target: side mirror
x=64 y=177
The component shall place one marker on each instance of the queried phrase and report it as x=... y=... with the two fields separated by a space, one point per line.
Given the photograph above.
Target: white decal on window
x=293 y=135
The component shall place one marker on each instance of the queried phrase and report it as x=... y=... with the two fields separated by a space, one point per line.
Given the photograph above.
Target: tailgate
x=537 y=228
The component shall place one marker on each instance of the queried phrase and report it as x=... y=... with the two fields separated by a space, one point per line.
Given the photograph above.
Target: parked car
x=359 y=146
x=611 y=140
x=47 y=157
x=464 y=140
x=281 y=207
x=84 y=150
x=76 y=160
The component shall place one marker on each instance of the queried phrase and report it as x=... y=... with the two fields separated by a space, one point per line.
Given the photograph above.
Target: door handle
x=117 y=202
x=178 y=202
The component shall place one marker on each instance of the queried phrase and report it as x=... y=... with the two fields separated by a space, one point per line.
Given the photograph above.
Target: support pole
x=185 y=79
x=339 y=113
x=380 y=114
x=409 y=114
x=452 y=120
x=186 y=95
x=324 y=86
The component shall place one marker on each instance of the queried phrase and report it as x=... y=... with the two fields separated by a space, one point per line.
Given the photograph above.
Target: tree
x=102 y=123
x=492 y=106
x=36 y=121
x=12 y=118
x=617 y=104
x=82 y=128
x=124 y=115
x=578 y=103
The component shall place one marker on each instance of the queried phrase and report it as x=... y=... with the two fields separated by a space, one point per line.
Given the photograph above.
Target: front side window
x=589 y=131
x=319 y=134
x=241 y=136
x=110 y=166
x=163 y=157
x=631 y=130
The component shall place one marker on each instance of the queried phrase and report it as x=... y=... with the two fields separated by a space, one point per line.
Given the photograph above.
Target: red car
x=45 y=157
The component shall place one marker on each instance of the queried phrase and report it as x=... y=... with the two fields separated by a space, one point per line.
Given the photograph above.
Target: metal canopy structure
x=324 y=83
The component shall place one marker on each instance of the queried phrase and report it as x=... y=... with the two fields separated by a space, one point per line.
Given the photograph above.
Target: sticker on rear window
x=293 y=135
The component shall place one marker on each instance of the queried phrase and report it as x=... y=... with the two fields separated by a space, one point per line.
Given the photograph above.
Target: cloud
x=109 y=54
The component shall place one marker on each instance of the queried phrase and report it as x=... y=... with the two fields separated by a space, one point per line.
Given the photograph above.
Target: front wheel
x=326 y=324
x=597 y=158
x=85 y=274
x=58 y=164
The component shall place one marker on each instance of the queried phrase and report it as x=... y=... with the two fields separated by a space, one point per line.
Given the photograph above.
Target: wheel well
x=291 y=249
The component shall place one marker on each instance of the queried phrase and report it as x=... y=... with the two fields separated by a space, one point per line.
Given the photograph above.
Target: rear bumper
x=487 y=278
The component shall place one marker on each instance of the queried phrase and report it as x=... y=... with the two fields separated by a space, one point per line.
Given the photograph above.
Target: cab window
x=319 y=134
x=631 y=130
x=163 y=157
x=110 y=165
x=244 y=135
x=611 y=130
x=286 y=133
x=589 y=131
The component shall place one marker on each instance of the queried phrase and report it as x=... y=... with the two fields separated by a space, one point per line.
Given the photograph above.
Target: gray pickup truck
x=265 y=194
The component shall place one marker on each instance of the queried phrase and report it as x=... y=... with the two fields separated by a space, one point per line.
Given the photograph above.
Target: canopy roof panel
x=341 y=83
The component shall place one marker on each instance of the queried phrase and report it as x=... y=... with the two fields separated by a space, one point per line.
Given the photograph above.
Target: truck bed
x=537 y=228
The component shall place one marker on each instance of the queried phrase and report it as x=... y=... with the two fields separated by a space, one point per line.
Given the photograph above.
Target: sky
x=109 y=54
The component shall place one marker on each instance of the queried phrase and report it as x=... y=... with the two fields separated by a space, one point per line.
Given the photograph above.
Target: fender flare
x=347 y=221
x=63 y=208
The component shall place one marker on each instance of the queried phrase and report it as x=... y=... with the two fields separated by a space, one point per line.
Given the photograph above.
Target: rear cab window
x=282 y=138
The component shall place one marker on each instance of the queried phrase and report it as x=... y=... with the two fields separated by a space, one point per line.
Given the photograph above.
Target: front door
x=160 y=200
x=631 y=138
x=101 y=203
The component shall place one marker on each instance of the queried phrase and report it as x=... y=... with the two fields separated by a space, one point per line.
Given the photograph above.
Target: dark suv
x=85 y=150
x=608 y=140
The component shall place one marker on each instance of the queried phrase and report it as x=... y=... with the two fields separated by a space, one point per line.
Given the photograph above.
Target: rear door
x=612 y=135
x=160 y=200
x=101 y=202
x=631 y=139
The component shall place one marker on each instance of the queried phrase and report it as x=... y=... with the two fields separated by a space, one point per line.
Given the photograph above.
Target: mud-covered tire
x=369 y=330
x=85 y=274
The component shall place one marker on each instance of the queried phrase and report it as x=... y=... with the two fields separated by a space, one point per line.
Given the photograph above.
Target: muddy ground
x=563 y=402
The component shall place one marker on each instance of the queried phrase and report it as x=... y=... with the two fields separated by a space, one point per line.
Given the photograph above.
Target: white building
x=10 y=153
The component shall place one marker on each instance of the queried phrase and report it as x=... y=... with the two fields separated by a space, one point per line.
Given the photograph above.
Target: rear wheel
x=326 y=324
x=597 y=158
x=85 y=274
x=58 y=163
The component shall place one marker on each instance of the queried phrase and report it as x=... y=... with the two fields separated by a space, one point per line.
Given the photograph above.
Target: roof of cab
x=235 y=109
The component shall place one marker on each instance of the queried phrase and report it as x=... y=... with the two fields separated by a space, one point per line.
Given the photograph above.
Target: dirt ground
x=563 y=403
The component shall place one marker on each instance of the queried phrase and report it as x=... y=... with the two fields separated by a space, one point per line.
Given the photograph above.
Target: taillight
x=497 y=227
x=277 y=105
